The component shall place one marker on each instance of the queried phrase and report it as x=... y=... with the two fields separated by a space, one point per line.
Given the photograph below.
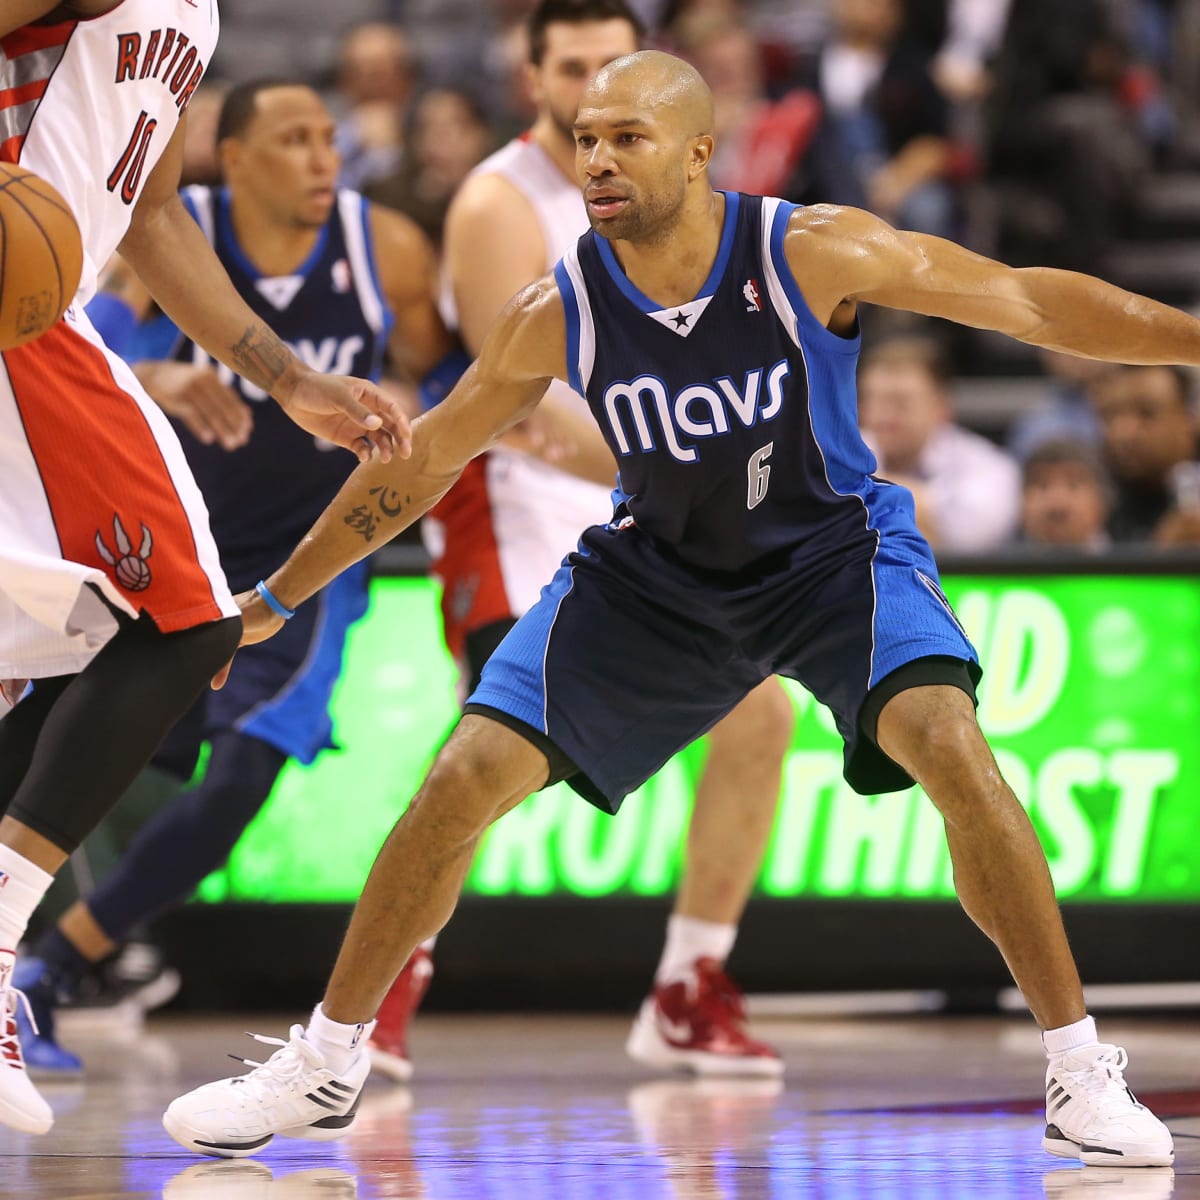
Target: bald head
x=653 y=82
x=643 y=140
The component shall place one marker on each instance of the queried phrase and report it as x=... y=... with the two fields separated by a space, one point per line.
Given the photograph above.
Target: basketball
x=41 y=256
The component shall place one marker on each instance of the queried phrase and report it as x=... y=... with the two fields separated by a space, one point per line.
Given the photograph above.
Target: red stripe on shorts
x=100 y=463
x=473 y=592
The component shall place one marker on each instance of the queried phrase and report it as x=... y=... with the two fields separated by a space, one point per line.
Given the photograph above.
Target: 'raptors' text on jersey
x=138 y=65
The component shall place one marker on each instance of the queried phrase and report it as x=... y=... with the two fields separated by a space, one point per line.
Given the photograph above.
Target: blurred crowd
x=1025 y=129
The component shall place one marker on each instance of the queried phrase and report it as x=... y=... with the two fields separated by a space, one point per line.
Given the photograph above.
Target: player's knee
x=953 y=763
x=760 y=728
x=460 y=796
x=775 y=719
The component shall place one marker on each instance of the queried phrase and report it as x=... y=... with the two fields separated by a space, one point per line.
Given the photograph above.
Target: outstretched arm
x=173 y=259
x=526 y=348
x=844 y=255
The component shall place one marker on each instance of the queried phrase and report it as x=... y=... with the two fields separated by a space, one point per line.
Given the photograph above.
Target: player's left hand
x=351 y=413
x=259 y=623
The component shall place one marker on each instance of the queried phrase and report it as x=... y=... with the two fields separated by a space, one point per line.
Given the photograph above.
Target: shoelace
x=10 y=1042
x=1103 y=1079
x=281 y=1071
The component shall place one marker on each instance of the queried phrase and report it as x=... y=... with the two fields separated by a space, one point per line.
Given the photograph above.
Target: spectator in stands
x=1062 y=145
x=760 y=142
x=1068 y=411
x=1066 y=495
x=887 y=119
x=1151 y=442
x=967 y=491
x=447 y=135
x=375 y=79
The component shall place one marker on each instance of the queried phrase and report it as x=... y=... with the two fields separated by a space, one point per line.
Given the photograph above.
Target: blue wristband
x=270 y=600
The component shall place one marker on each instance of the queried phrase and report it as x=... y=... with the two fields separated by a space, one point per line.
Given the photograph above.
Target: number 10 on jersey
x=128 y=172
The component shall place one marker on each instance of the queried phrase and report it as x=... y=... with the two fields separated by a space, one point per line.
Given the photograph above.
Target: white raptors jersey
x=90 y=105
x=537 y=511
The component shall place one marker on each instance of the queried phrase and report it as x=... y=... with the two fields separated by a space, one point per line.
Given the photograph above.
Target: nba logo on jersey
x=750 y=291
x=340 y=276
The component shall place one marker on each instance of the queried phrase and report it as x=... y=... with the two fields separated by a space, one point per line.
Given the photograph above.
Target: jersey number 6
x=758 y=475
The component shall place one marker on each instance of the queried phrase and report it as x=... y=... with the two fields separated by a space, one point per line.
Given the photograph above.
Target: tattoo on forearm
x=260 y=356
x=386 y=505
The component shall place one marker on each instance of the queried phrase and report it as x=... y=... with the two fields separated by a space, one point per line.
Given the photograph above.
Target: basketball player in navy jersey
x=504 y=528
x=342 y=282
x=715 y=337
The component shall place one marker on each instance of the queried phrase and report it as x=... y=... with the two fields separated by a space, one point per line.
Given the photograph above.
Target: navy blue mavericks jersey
x=264 y=497
x=734 y=417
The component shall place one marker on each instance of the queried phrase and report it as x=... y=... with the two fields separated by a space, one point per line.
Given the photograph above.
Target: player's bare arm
x=525 y=350
x=408 y=276
x=495 y=247
x=173 y=259
x=15 y=13
x=845 y=255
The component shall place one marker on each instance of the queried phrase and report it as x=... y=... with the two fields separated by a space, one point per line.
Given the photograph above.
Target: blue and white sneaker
x=44 y=1057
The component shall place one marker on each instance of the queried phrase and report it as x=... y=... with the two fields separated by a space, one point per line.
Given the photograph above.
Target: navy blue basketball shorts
x=279 y=690
x=629 y=655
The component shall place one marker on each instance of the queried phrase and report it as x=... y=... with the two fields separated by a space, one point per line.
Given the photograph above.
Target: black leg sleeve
x=105 y=724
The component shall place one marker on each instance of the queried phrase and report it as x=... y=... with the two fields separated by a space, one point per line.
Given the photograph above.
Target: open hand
x=212 y=411
x=351 y=413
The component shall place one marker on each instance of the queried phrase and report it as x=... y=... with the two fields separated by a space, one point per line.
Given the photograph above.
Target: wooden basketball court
x=913 y=1108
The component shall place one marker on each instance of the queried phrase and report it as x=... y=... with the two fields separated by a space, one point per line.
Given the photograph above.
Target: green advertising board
x=1090 y=697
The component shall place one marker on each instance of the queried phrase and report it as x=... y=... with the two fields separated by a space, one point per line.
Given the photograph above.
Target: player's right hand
x=258 y=624
x=212 y=411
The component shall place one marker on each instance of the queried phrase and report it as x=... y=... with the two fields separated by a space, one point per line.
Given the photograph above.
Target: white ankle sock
x=22 y=886
x=689 y=938
x=1070 y=1037
x=341 y=1044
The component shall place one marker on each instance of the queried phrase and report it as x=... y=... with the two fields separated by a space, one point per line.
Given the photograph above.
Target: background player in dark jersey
x=341 y=281
x=752 y=538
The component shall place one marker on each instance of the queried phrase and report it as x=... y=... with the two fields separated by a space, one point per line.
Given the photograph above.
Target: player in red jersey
x=112 y=598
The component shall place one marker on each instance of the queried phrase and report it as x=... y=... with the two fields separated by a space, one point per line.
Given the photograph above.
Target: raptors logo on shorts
x=130 y=569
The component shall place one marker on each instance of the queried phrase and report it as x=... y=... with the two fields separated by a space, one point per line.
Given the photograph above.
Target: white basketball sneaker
x=21 y=1107
x=1092 y=1115
x=293 y=1094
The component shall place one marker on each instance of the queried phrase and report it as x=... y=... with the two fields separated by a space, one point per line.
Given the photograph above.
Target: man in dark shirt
x=1151 y=441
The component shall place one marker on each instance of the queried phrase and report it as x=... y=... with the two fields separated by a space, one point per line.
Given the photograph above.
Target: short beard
x=650 y=219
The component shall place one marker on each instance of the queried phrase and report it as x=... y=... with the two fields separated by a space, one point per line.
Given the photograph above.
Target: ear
x=699 y=154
